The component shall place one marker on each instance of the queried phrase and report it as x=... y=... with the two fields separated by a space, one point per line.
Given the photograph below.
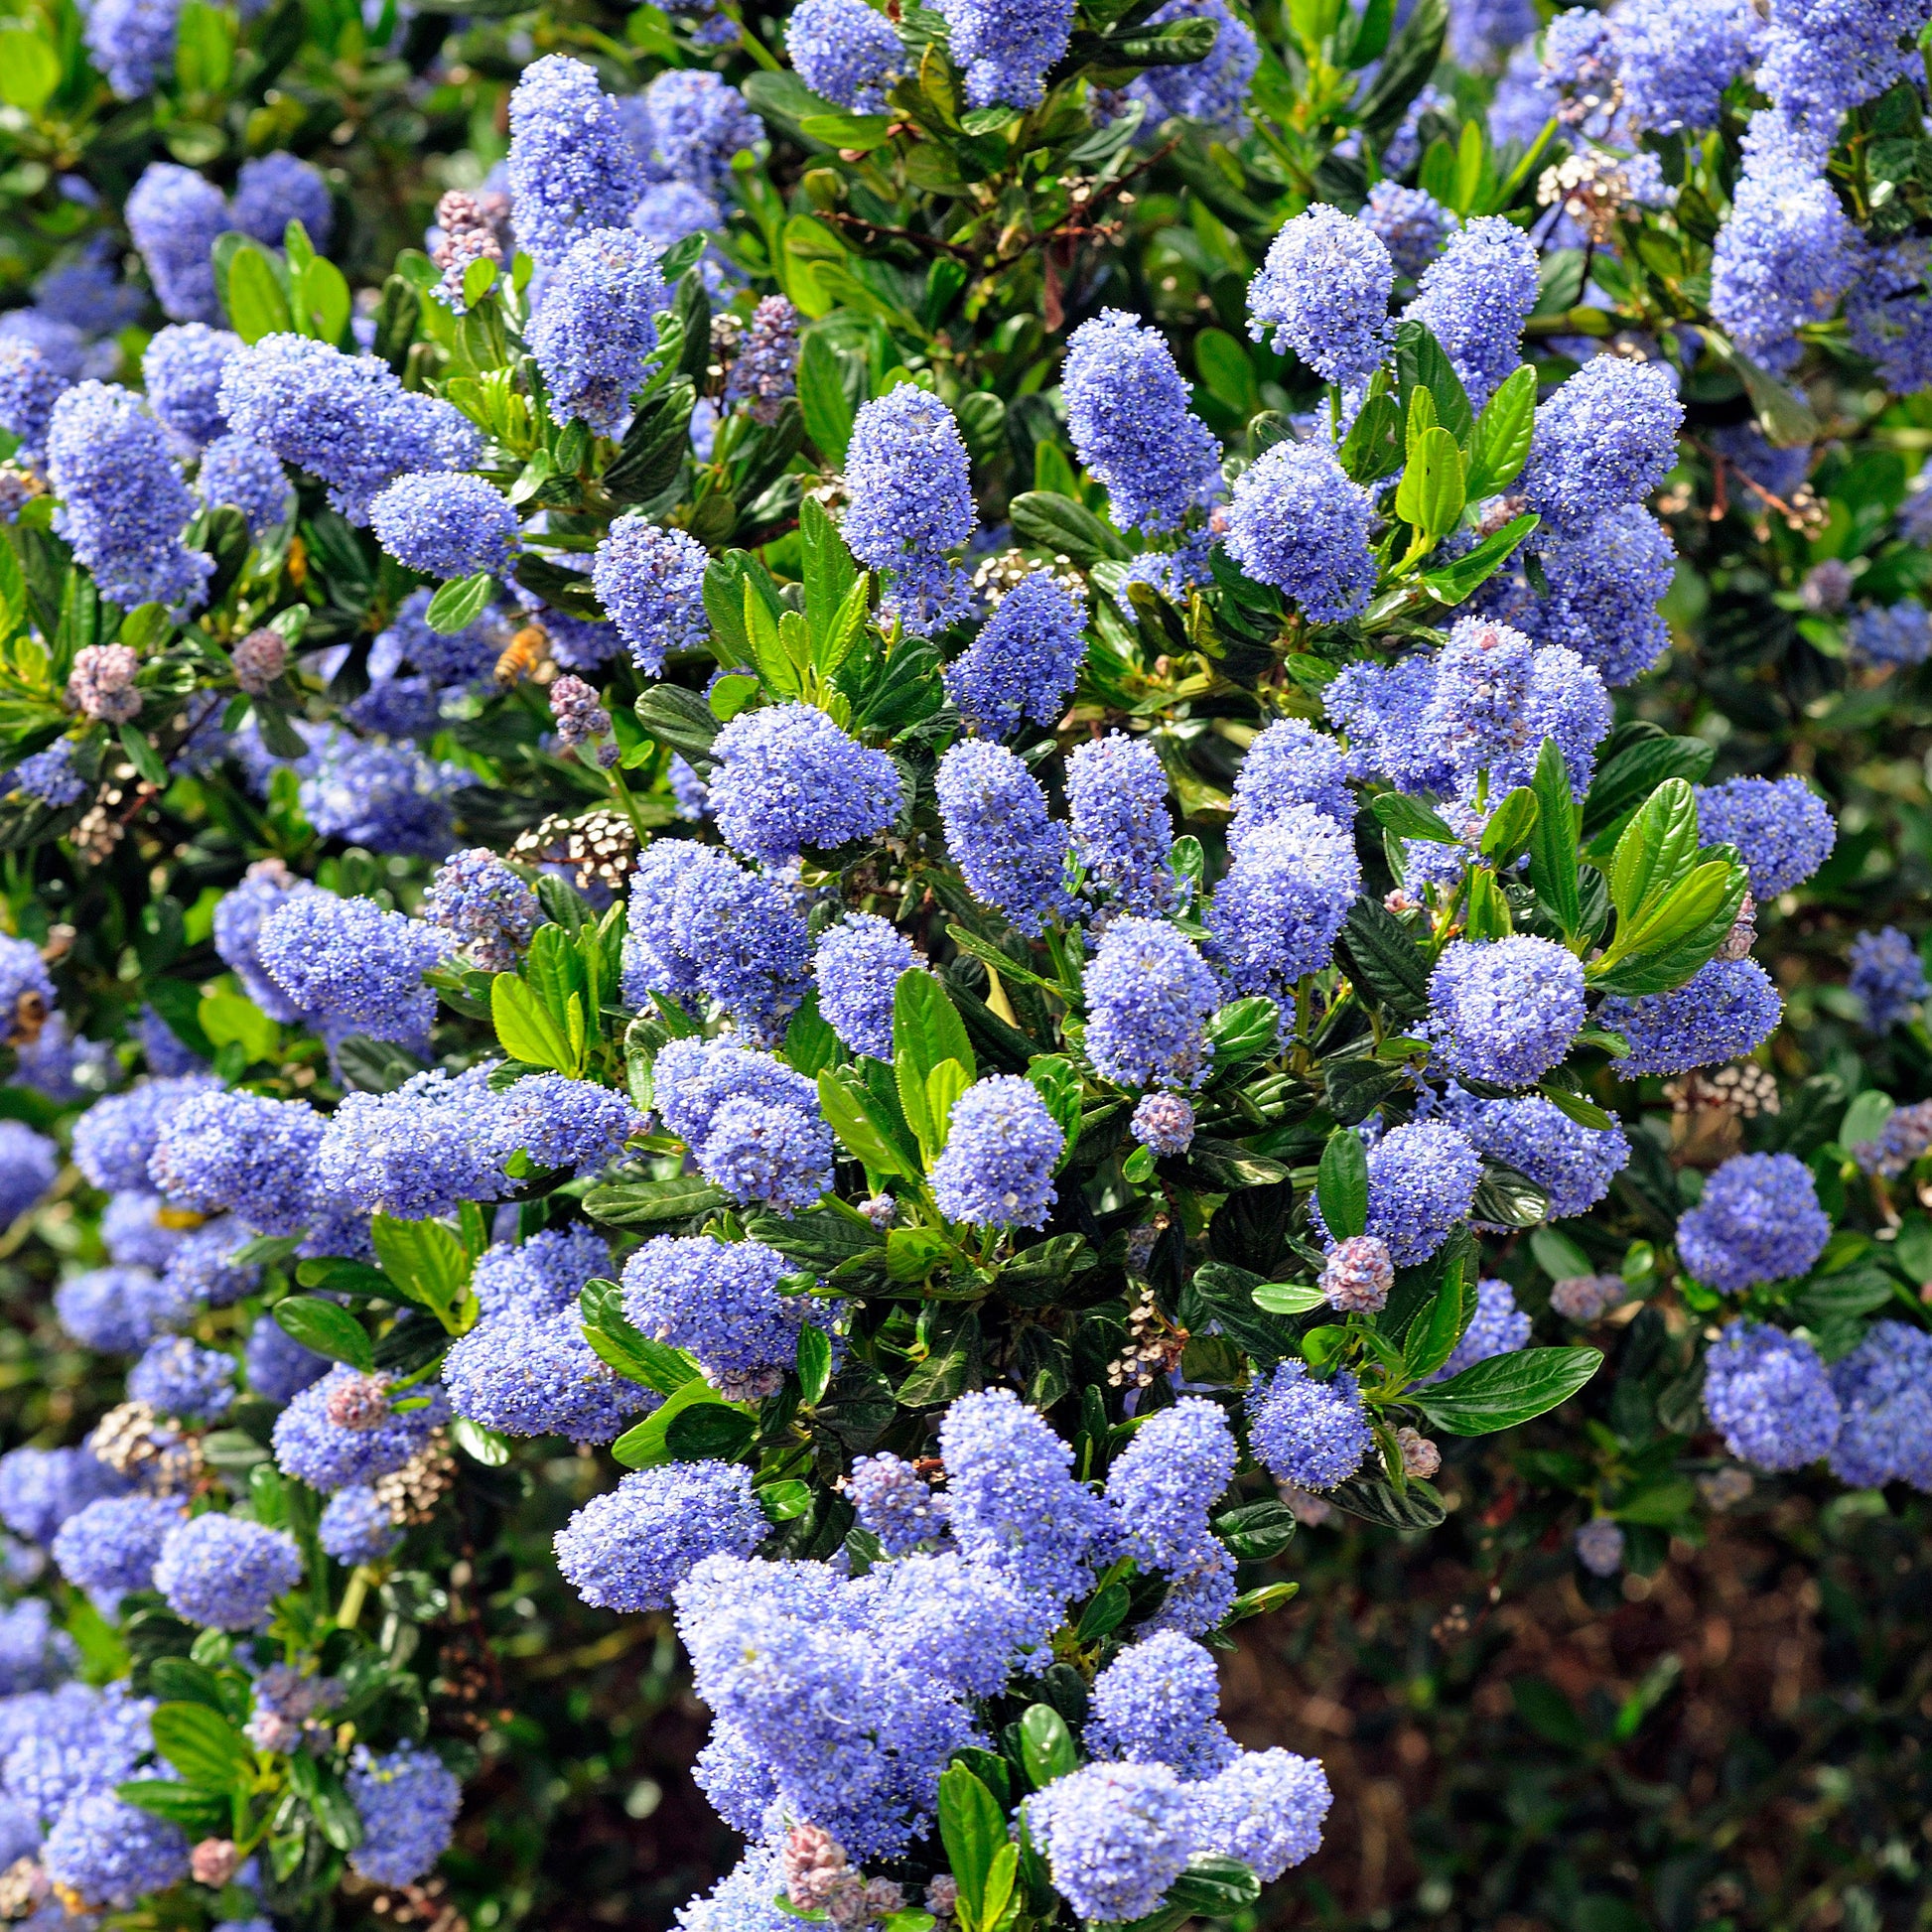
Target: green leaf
x=1215 y=1886
x=1288 y=1298
x=621 y=1345
x=852 y=1114
x=477 y=280
x=1455 y=582
x=1421 y=361
x=926 y=1026
x=1510 y=828
x=1408 y=818
x=1506 y=1390
x=202 y=1744
x=651 y=1203
x=1499 y=445
x=678 y=719
x=1050 y=521
x=823 y=398
x=430 y=1263
x=1380 y=954
x=199 y=1813
x=324 y=300
x=29 y=69
x=460 y=603
x=1638 y=759
x=1046 y=1749
x=857 y=132
x=478 y=1444
x=1404 y=71
x=654 y=446
x=1431 y=1341
x=328 y=1328
x=1244 y=1030
x=1058 y=1082
x=524 y=1027
x=1417 y=1507
x=1658 y=848
x=1373 y=448
x=1341 y=1185
x=229 y=1018
x=644 y=1445
x=1553 y=841
x=253 y=297
x=972 y=1828
x=1707 y=901
x=1431 y=494
x=814 y=1363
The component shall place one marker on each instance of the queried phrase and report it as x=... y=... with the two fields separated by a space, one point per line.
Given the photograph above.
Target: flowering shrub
x=719 y=818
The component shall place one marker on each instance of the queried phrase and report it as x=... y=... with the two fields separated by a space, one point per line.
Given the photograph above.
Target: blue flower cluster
x=1024 y=659
x=1781 y=829
x=1758 y=1221
x=751 y=1122
x=1887 y=977
x=906 y=470
x=786 y=777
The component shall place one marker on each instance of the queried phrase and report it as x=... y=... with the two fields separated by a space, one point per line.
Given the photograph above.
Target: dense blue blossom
x=1498 y=696
x=109 y=1854
x=122 y=502
x=1324 y=291
x=696 y=121
x=1010 y=852
x=1214 y=90
x=857 y=966
x=1887 y=976
x=28 y=1163
x=720 y=1301
x=1278 y=911
x=1024 y=659
x=1381 y=707
x=50 y=775
x=445 y=525
x=344 y=419
x=41 y=1488
x=422 y=1149
x=1165 y=1483
x=1265 y=1809
x=997 y=1170
x=1573 y=1164
x=1122 y=831
x=111 y=1547
x=651 y=582
x=1013 y=1505
x=1150 y=996
x=1498 y=1327
x=529 y=1371
x=273 y=189
x=786 y=777
x=1007 y=47
x=1675 y=58
x=1602 y=441
x=175 y=1377
x=1505 y=1010
x=1899 y=636
x=224 y=1570
x=1474 y=298
x=1768 y=1395
x=1758 y=1221
x=238 y=470
x=596 y=328
x=131 y=41
x=1823 y=56
x=1727 y=1007
x=1604 y=586
x=630 y=1549
x=175 y=219
x=487 y=907
x=846 y=51
x=1422 y=1177
x=349 y=962
x=30 y=386
x=751 y=1122
x=342 y=1429
x=116 y=1309
x=1114 y=1837
x=911 y=488
x=114 y=1138
x=355 y=1527
x=1410 y=223
x=1788 y=250
x=1157 y=1703
x=1128 y=416
x=1884 y=1395
x=1299 y=523
x=1308 y=1432
x=407 y=1803
x=572 y=167
x=1782 y=830
x=701 y=923
x=1291 y=764
x=894 y=1503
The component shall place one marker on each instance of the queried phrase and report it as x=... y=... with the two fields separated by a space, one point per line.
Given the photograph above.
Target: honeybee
x=525 y=653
